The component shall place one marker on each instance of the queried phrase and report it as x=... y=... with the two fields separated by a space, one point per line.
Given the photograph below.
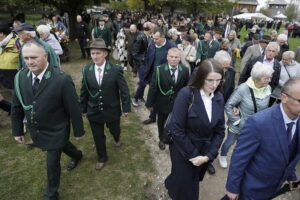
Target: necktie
x=289 y=130
x=99 y=77
x=173 y=74
x=36 y=84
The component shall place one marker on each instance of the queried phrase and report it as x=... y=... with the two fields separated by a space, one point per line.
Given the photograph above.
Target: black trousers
x=161 y=119
x=54 y=169
x=83 y=43
x=100 y=138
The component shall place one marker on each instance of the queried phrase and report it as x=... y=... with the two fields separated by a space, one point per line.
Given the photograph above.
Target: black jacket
x=139 y=49
x=228 y=84
x=81 y=30
x=247 y=71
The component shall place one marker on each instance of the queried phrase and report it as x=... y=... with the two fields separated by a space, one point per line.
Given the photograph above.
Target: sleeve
x=152 y=89
x=246 y=58
x=247 y=144
x=124 y=91
x=179 y=125
x=17 y=116
x=245 y=74
x=84 y=95
x=71 y=104
x=233 y=101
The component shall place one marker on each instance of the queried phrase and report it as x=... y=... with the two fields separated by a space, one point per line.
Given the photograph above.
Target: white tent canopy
x=280 y=16
x=253 y=15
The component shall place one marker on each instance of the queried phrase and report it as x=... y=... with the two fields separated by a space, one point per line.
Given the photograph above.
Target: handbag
x=167 y=133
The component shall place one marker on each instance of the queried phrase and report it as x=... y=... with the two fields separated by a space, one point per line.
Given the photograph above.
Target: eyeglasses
x=212 y=81
x=298 y=100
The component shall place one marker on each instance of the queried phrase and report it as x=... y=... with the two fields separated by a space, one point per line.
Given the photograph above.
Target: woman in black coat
x=197 y=131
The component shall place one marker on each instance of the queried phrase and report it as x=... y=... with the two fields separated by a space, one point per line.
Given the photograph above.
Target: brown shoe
x=99 y=165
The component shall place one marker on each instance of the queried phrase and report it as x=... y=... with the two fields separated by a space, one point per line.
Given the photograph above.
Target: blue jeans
x=230 y=140
x=141 y=84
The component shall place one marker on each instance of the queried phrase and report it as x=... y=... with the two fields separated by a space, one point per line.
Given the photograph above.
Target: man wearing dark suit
x=103 y=32
x=207 y=48
x=47 y=97
x=167 y=80
x=103 y=85
x=268 y=149
x=156 y=55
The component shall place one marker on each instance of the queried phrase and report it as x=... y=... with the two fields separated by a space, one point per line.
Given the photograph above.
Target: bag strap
x=287 y=71
x=253 y=99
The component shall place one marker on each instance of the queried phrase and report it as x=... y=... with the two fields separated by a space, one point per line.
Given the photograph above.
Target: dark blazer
x=105 y=34
x=53 y=107
x=206 y=50
x=260 y=161
x=164 y=102
x=148 y=69
x=193 y=135
x=139 y=49
x=245 y=74
x=102 y=103
x=228 y=84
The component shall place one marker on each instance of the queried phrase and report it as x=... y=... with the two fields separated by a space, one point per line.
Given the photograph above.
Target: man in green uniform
x=102 y=31
x=103 y=85
x=47 y=97
x=207 y=48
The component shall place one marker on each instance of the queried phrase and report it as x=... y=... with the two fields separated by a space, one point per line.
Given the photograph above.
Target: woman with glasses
x=197 y=131
x=249 y=98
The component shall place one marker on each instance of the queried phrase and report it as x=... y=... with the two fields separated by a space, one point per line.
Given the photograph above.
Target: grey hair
x=31 y=33
x=222 y=56
x=288 y=86
x=289 y=54
x=259 y=70
x=282 y=37
x=273 y=44
x=43 y=29
x=233 y=33
x=33 y=42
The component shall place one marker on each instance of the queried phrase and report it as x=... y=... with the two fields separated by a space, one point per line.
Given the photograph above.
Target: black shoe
x=73 y=163
x=211 y=169
x=148 y=121
x=161 y=145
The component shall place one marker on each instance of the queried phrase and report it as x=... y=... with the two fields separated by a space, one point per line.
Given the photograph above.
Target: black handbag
x=167 y=133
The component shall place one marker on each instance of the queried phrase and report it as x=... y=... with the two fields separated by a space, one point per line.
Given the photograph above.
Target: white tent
x=253 y=15
x=280 y=16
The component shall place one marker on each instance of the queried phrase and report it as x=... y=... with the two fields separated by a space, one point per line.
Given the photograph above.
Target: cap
x=24 y=27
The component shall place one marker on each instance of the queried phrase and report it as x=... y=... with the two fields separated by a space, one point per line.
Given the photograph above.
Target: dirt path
x=212 y=187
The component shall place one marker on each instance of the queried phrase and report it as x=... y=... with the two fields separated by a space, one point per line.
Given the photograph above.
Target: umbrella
x=252 y=15
x=280 y=16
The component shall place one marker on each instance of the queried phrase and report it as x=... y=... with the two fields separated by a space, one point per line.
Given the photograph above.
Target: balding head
x=133 y=28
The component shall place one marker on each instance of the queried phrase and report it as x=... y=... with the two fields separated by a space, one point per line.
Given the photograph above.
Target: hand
x=87 y=39
x=79 y=138
x=76 y=40
x=20 y=139
x=293 y=188
x=125 y=114
x=109 y=47
x=199 y=160
x=84 y=115
x=1 y=98
x=232 y=196
x=235 y=111
x=150 y=108
x=197 y=61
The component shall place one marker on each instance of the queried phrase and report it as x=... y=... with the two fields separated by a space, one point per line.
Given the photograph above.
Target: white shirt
x=40 y=76
x=161 y=45
x=99 y=77
x=261 y=49
x=207 y=101
x=176 y=72
x=287 y=120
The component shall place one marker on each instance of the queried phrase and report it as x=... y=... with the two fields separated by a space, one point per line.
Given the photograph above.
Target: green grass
x=127 y=174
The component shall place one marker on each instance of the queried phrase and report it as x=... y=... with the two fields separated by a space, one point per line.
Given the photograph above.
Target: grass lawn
x=125 y=176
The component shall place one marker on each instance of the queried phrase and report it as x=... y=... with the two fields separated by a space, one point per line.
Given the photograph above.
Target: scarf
x=260 y=93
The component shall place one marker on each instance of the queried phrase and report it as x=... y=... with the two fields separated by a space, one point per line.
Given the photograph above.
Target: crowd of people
x=190 y=65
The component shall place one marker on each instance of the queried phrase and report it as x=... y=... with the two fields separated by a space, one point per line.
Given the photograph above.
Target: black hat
x=126 y=25
x=182 y=28
x=4 y=28
x=24 y=27
x=256 y=36
x=265 y=39
x=218 y=30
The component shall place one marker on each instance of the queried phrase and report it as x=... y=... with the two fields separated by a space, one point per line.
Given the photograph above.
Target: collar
x=265 y=60
x=170 y=67
x=286 y=119
x=205 y=96
x=102 y=66
x=40 y=76
x=161 y=45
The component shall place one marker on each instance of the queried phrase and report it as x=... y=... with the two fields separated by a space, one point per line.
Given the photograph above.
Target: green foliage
x=118 y=5
x=291 y=12
x=135 y=4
